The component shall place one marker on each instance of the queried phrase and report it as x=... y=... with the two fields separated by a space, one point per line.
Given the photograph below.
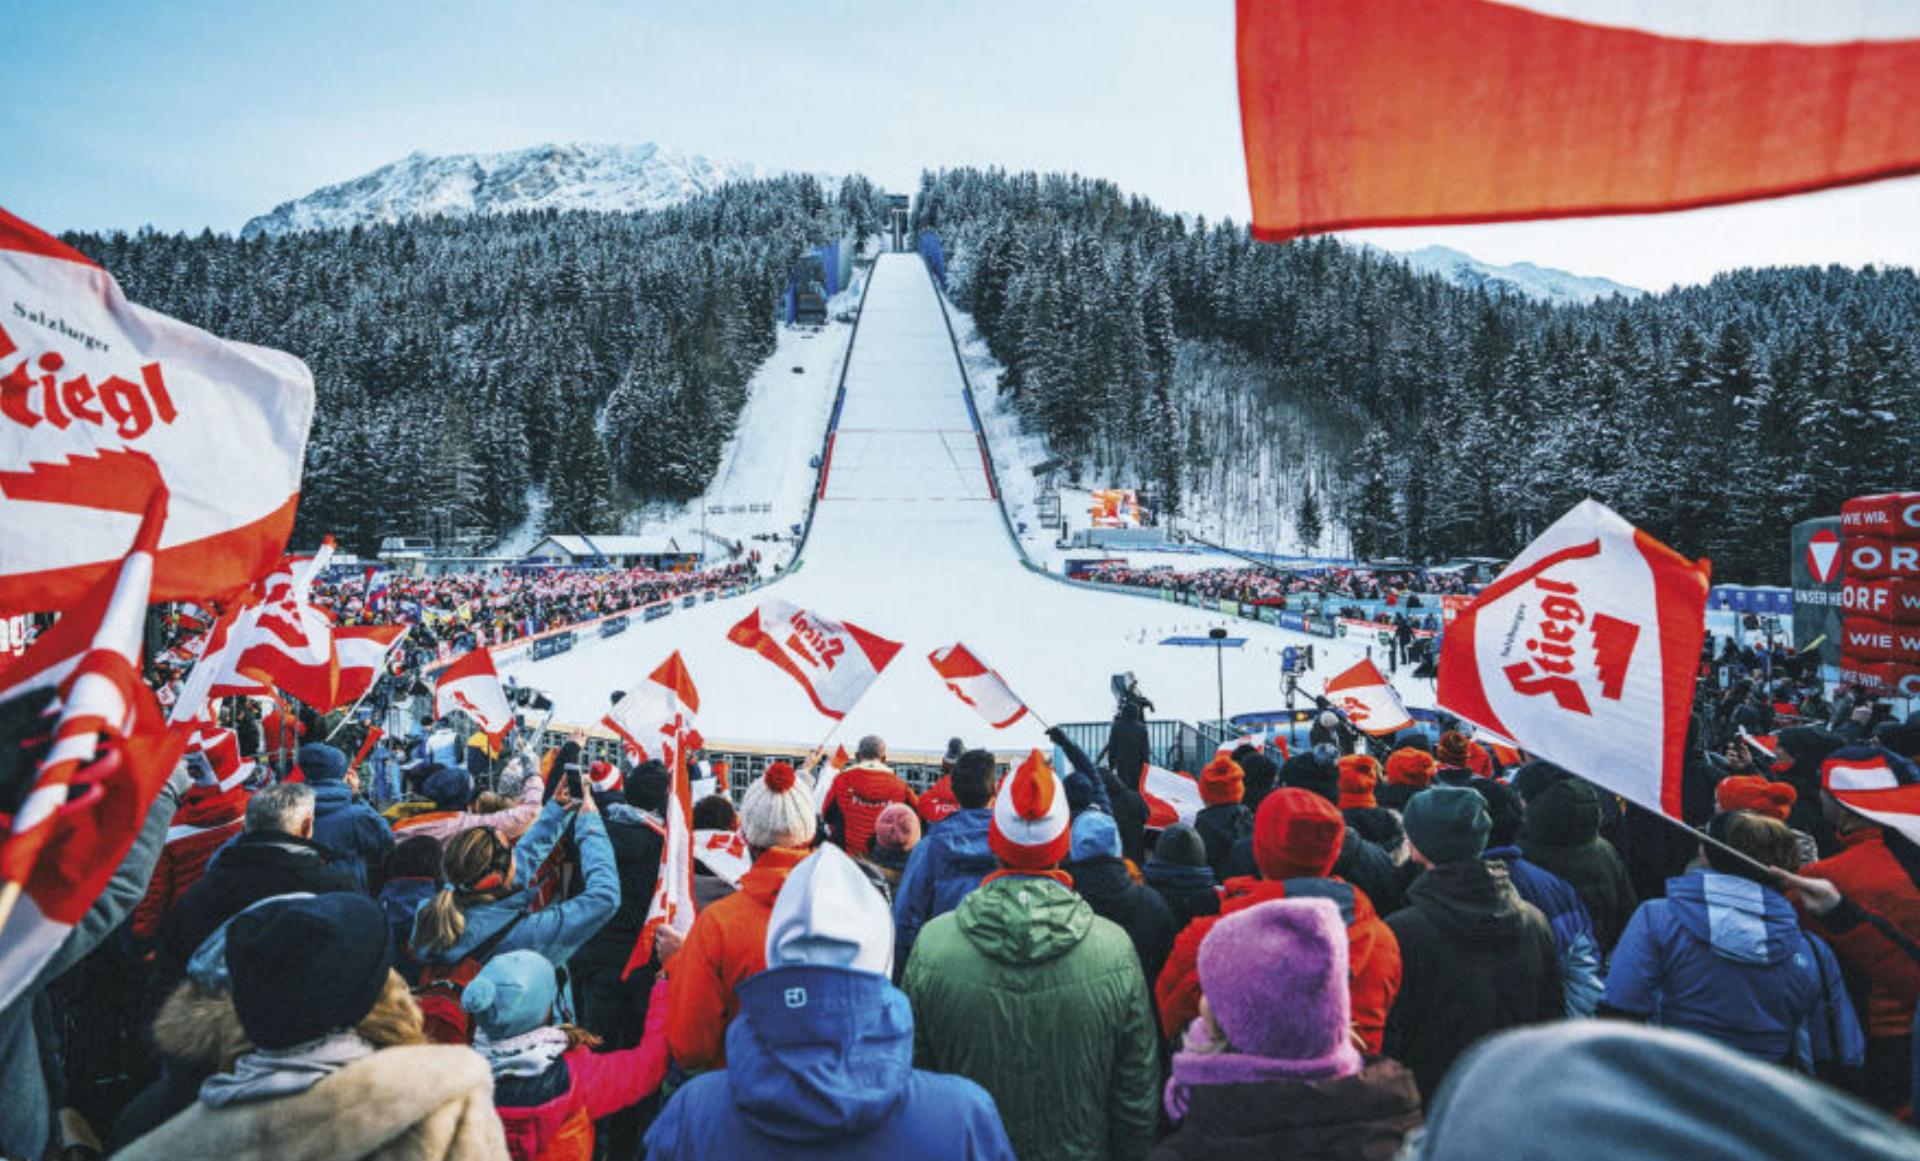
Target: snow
x=766 y=478
x=1539 y=282
x=558 y=177
x=908 y=544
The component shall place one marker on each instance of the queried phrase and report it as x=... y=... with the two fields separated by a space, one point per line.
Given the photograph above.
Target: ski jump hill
x=908 y=540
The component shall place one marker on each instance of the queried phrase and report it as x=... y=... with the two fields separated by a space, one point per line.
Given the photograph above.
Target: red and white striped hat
x=605 y=776
x=1857 y=768
x=1031 y=826
x=213 y=758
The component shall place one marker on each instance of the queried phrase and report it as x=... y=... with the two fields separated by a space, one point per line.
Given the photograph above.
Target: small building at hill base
x=661 y=551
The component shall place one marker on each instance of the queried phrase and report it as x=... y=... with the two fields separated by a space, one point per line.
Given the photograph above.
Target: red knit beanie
x=1410 y=767
x=1297 y=835
x=1222 y=781
x=1358 y=776
x=1452 y=749
x=1478 y=760
x=1031 y=830
x=1752 y=792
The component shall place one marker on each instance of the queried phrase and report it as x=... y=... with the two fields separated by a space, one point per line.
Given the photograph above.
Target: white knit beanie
x=777 y=811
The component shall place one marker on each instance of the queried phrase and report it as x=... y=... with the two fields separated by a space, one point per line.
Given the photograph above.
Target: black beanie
x=647 y=786
x=1536 y=778
x=1503 y=808
x=307 y=968
x=1180 y=846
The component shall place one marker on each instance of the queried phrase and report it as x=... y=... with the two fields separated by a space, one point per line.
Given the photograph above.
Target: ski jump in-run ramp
x=908 y=542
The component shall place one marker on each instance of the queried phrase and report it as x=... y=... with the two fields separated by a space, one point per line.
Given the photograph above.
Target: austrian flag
x=834 y=662
x=102 y=402
x=1369 y=702
x=472 y=685
x=972 y=682
x=1584 y=652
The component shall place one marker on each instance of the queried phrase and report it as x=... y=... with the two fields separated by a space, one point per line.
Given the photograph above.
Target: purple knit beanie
x=1275 y=978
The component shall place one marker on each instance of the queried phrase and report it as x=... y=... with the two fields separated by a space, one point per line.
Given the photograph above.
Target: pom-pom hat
x=778 y=810
x=1030 y=830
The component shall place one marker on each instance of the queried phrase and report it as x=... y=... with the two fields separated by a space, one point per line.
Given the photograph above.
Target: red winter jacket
x=1373 y=954
x=207 y=818
x=859 y=794
x=597 y=1084
x=1883 y=878
x=938 y=802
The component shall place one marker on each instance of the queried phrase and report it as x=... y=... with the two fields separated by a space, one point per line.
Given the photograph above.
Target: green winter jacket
x=1026 y=991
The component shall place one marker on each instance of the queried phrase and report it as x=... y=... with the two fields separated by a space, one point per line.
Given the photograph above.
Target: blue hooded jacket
x=820 y=1064
x=1725 y=957
x=1572 y=928
x=558 y=930
x=350 y=829
x=943 y=869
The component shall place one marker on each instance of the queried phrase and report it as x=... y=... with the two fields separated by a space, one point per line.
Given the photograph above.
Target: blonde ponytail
x=476 y=863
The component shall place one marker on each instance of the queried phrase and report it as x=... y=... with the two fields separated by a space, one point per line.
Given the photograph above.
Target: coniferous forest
x=602 y=358
x=460 y=362
x=1447 y=420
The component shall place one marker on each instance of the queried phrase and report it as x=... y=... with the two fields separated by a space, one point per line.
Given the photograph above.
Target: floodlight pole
x=1219 y=636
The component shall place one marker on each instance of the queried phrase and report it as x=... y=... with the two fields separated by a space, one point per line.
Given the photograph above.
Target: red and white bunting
x=978 y=686
x=1420 y=112
x=102 y=402
x=109 y=756
x=835 y=662
x=1172 y=797
x=1369 y=701
x=724 y=852
x=1584 y=652
x=472 y=686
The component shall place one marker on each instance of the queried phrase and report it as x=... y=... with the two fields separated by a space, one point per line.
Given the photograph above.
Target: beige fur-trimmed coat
x=424 y=1103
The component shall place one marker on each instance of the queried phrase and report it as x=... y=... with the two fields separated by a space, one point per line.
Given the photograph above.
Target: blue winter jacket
x=1725 y=957
x=558 y=930
x=353 y=830
x=820 y=1064
x=943 y=869
x=1573 y=938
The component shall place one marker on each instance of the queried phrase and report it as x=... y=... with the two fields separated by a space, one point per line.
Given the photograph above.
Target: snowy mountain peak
x=560 y=177
x=1539 y=282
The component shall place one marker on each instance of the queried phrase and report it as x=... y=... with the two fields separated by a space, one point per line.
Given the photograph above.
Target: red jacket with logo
x=1882 y=876
x=860 y=793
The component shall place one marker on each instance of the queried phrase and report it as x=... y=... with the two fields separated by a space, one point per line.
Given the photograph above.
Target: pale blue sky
x=203 y=114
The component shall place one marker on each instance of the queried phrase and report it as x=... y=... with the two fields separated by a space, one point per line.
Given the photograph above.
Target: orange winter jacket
x=1373 y=959
x=1881 y=875
x=728 y=943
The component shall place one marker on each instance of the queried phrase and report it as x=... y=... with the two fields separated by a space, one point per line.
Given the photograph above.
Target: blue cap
x=512 y=995
x=1094 y=834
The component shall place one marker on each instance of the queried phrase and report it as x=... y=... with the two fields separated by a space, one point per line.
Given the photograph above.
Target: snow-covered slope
x=1544 y=283
x=560 y=177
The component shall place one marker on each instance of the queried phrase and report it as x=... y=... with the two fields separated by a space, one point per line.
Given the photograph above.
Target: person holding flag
x=727 y=943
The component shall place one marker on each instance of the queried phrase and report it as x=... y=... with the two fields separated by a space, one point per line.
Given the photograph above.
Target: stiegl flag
x=1369 y=701
x=101 y=403
x=472 y=685
x=100 y=752
x=980 y=687
x=1584 y=651
x=835 y=662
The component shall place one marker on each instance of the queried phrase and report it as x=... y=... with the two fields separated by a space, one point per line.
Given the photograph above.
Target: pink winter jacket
x=599 y=1084
x=444 y=824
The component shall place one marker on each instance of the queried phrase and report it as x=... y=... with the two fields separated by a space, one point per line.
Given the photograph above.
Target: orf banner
x=1421 y=112
x=834 y=662
x=1817 y=588
x=101 y=403
x=1584 y=651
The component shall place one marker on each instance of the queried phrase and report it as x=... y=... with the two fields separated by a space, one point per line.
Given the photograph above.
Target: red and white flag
x=97 y=775
x=1172 y=797
x=1369 y=701
x=102 y=402
x=668 y=691
x=1584 y=652
x=835 y=662
x=275 y=638
x=1861 y=779
x=363 y=651
x=1422 y=112
x=980 y=687
x=655 y=717
x=724 y=852
x=472 y=686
